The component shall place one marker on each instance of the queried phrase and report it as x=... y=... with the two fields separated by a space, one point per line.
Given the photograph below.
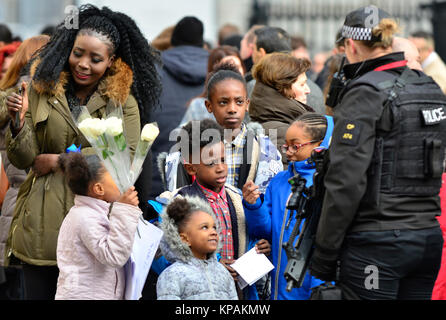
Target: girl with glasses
x=280 y=94
x=269 y=218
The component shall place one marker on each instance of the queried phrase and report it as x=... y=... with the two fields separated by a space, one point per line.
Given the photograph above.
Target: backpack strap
x=183 y=178
x=246 y=165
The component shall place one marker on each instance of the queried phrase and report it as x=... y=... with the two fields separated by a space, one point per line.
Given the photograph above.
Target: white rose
x=149 y=132
x=85 y=126
x=92 y=127
x=97 y=126
x=113 y=126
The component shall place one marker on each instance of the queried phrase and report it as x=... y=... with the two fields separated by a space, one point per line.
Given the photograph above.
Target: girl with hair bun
x=106 y=60
x=96 y=237
x=192 y=239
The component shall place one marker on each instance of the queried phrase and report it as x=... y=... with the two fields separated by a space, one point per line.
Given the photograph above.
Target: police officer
x=378 y=221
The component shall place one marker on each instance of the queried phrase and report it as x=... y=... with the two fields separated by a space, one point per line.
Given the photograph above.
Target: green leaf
x=120 y=142
x=106 y=153
x=143 y=148
x=104 y=141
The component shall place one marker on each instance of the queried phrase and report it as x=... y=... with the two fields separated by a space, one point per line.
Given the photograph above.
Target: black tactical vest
x=411 y=134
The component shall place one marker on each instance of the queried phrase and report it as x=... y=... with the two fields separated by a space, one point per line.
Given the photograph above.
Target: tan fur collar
x=241 y=222
x=115 y=85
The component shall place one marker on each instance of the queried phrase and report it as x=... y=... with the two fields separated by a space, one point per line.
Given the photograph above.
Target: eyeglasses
x=295 y=147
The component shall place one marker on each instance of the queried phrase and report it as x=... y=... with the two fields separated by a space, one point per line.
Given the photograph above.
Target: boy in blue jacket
x=267 y=219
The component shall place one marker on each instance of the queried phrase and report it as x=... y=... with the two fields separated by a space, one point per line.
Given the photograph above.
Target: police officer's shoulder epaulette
x=350 y=133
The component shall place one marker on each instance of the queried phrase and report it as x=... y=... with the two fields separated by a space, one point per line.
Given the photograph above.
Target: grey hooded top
x=190 y=278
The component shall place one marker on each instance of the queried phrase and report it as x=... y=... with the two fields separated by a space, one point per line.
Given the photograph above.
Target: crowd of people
x=238 y=121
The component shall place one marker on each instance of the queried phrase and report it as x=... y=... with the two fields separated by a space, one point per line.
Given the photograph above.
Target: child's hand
x=263 y=246
x=250 y=192
x=130 y=197
x=227 y=264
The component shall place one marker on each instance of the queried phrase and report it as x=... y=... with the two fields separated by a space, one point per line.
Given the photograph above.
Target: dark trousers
x=39 y=282
x=11 y=283
x=396 y=264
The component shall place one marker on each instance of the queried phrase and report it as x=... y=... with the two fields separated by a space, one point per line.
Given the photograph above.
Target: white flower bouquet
x=107 y=137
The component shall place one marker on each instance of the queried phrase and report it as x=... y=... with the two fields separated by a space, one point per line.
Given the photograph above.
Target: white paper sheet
x=252 y=266
x=241 y=283
x=147 y=240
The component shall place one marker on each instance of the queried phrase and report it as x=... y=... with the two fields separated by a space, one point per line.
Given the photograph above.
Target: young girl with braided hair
x=267 y=218
x=96 y=237
x=105 y=60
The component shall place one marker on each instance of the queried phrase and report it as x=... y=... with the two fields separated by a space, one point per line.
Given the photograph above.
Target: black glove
x=323 y=269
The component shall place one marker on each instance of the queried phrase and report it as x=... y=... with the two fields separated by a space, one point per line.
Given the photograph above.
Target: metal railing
x=319 y=20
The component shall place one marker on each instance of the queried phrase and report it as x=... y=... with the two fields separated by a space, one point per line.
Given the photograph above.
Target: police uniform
x=382 y=184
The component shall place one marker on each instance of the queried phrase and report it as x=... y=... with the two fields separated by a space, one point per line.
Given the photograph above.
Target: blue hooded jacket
x=266 y=220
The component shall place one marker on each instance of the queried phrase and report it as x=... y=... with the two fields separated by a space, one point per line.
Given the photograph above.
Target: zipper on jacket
x=276 y=280
x=12 y=240
x=34 y=180
x=209 y=281
x=116 y=282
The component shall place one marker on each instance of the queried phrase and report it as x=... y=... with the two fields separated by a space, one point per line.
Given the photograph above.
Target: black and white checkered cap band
x=356 y=33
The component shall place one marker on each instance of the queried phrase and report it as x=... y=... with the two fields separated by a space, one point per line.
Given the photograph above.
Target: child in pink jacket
x=96 y=237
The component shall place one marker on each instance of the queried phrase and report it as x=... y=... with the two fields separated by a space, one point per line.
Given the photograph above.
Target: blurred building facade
x=319 y=20
x=26 y=18
x=316 y=20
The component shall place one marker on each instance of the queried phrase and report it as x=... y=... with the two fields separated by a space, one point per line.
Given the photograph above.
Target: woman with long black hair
x=107 y=59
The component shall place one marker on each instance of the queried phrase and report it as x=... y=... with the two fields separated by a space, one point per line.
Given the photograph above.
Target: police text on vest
x=433 y=116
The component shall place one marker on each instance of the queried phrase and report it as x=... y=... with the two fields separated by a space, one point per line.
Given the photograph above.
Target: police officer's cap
x=359 y=23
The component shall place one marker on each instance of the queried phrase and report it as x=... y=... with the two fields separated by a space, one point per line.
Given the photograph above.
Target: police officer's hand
x=323 y=269
x=250 y=192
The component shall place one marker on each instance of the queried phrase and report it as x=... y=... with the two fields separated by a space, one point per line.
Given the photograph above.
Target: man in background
x=229 y=34
x=431 y=62
x=246 y=49
x=411 y=53
x=183 y=75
